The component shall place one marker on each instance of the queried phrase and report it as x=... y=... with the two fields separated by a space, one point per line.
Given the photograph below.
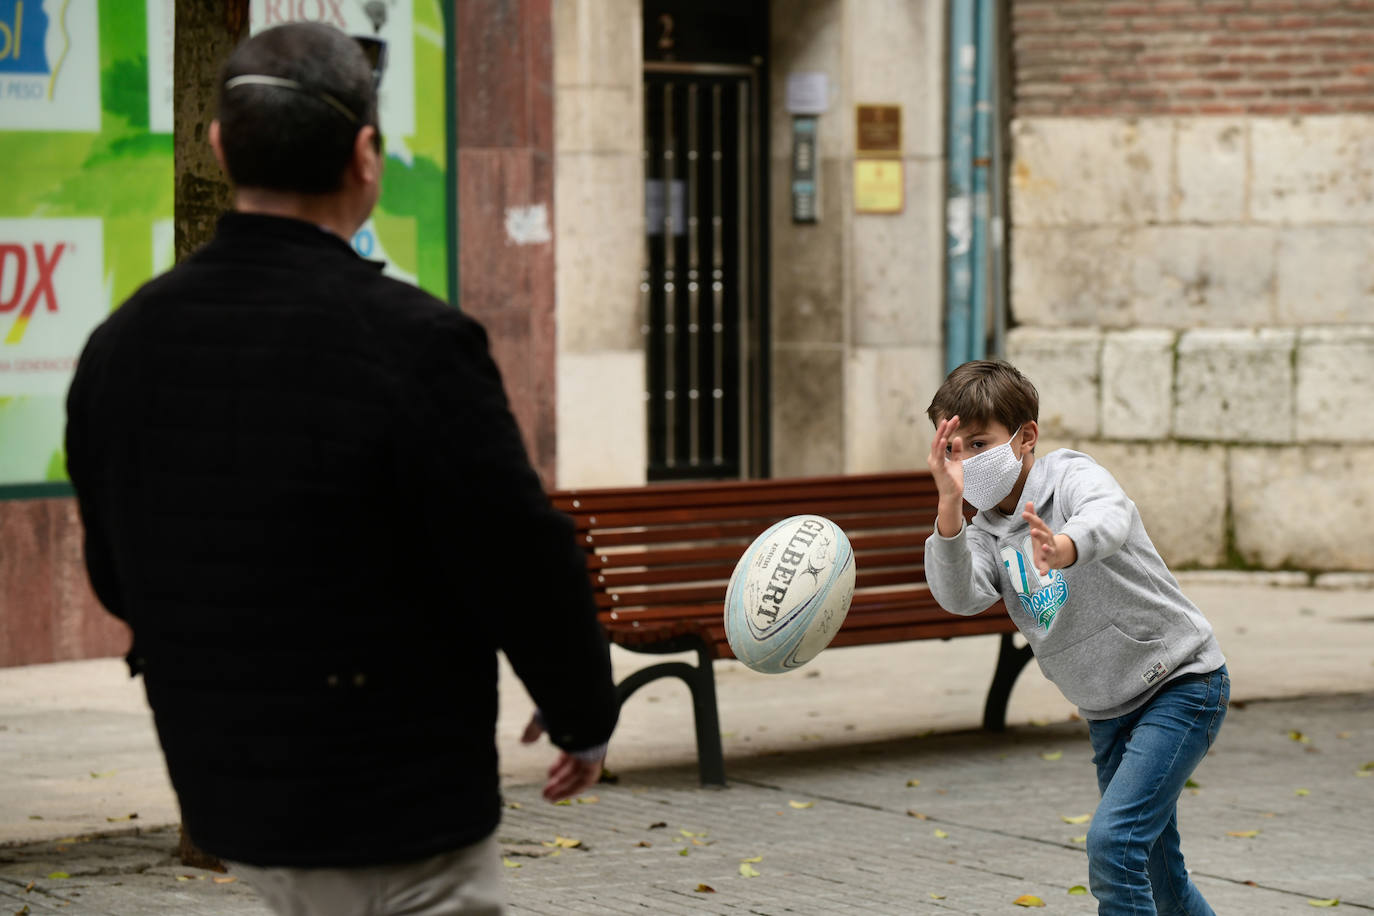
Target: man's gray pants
x=465 y=881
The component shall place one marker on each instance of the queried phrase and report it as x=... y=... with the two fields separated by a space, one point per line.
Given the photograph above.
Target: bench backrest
x=665 y=552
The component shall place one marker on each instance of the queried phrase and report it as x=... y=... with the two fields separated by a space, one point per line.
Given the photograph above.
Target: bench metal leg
x=700 y=680
x=1010 y=661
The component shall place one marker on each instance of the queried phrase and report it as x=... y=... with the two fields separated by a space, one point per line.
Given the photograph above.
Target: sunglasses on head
x=374 y=49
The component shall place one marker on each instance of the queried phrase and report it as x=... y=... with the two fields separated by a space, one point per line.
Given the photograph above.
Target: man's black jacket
x=304 y=490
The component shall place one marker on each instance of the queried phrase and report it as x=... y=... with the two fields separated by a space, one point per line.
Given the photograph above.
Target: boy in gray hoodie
x=1063 y=546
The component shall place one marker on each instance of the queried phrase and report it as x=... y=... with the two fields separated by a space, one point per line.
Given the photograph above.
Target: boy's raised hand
x=947 y=468
x=1052 y=551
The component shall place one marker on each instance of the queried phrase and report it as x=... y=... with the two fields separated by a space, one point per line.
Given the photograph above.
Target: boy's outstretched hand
x=1052 y=551
x=947 y=468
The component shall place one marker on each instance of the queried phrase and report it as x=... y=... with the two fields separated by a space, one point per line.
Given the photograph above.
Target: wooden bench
x=660 y=556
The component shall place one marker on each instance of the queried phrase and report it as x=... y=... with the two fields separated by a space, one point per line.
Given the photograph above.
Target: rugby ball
x=789 y=594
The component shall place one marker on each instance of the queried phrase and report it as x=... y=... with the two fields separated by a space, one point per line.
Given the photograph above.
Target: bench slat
x=738 y=492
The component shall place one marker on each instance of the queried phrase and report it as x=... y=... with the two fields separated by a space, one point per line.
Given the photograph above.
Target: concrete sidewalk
x=842 y=736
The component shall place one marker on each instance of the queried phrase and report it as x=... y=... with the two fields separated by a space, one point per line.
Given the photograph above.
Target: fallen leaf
x=35 y=817
x=1299 y=737
x=224 y=879
x=1051 y=755
x=508 y=863
x=799 y=805
x=935 y=896
x=684 y=850
x=29 y=887
x=22 y=911
x=1362 y=773
x=1334 y=901
x=916 y=814
x=564 y=842
x=646 y=844
x=1189 y=784
x=1079 y=839
x=753 y=859
x=555 y=854
x=748 y=871
x=1302 y=792
x=1028 y=900
x=588 y=799
x=1040 y=723
x=1077 y=890
x=566 y=801
x=1243 y=834
x=190 y=877
x=912 y=783
x=940 y=834
x=127 y=817
x=1076 y=818
x=514 y=805
x=696 y=842
x=705 y=889
x=55 y=875
x=658 y=825
x=105 y=775
x=1368 y=767
x=1251 y=884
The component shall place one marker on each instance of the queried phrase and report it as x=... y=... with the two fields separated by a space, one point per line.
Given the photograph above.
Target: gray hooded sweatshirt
x=1111 y=629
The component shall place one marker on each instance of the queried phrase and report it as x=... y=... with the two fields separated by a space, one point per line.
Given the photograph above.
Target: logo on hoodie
x=1039 y=596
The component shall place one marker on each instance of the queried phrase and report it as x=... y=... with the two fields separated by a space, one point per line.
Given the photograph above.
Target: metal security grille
x=700 y=288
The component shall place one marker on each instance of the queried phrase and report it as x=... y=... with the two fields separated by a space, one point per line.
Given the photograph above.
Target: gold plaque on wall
x=878 y=186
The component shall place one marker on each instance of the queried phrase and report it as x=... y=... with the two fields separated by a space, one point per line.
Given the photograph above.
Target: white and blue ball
x=789 y=594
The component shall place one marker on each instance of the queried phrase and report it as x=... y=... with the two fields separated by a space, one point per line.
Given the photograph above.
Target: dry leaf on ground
x=1078 y=890
x=1075 y=818
x=1051 y=755
x=753 y=859
x=1028 y=900
x=509 y=864
x=911 y=812
x=224 y=879
x=1334 y=901
x=940 y=834
x=748 y=871
x=799 y=805
x=912 y=783
x=1243 y=834
x=705 y=889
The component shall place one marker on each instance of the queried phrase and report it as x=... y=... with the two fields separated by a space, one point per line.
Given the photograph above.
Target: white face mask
x=989 y=477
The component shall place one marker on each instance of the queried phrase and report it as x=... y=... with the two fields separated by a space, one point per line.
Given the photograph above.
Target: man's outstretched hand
x=568 y=775
x=1052 y=551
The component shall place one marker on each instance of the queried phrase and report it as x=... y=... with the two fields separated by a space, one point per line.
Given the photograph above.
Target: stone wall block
x=1090 y=171
x=1180 y=491
x=599 y=227
x=809 y=260
x=1065 y=367
x=1211 y=169
x=887 y=390
x=1335 y=386
x=899 y=265
x=808 y=410
x=1312 y=170
x=1326 y=274
x=1270 y=488
x=1076 y=276
x=1138 y=384
x=598 y=43
x=1235 y=385
x=1202 y=276
x=602 y=420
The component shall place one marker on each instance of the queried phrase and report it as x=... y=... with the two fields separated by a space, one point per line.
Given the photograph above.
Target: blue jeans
x=1143 y=759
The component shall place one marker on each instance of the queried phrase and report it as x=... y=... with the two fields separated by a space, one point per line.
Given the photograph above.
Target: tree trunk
x=206 y=31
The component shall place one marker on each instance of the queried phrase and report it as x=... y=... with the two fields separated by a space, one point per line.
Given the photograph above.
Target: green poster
x=86 y=202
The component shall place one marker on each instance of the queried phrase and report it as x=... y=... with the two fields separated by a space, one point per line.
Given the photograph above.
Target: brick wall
x=1192 y=57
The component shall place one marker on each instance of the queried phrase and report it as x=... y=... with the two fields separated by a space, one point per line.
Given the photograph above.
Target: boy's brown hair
x=983 y=390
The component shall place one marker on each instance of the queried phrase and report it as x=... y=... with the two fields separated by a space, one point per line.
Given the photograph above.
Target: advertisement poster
x=86 y=203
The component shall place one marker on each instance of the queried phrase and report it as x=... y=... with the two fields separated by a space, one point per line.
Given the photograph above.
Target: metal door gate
x=701 y=287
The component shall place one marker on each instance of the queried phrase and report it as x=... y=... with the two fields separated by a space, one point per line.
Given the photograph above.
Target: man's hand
x=1052 y=551
x=569 y=775
x=946 y=464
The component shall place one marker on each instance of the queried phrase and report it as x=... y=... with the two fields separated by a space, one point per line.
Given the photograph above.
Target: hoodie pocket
x=1107 y=668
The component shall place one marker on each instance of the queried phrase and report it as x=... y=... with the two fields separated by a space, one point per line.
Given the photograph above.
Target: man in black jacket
x=305 y=492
